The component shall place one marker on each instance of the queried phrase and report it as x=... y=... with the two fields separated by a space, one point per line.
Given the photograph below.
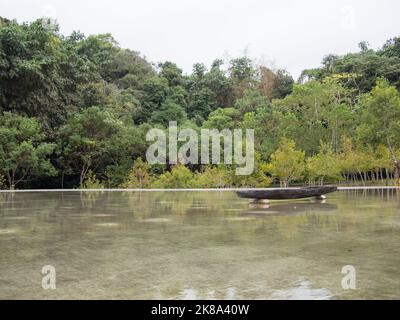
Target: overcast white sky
x=292 y=34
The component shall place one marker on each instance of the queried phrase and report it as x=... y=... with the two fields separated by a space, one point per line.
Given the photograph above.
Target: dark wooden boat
x=286 y=193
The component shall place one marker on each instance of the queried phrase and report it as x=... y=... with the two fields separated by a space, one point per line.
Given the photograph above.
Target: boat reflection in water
x=290 y=208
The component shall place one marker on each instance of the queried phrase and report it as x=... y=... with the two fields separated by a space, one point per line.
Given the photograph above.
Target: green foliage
x=48 y=72
x=202 y=102
x=222 y=119
x=91 y=182
x=284 y=84
x=208 y=90
x=241 y=69
x=88 y=141
x=180 y=177
x=139 y=177
x=155 y=92
x=367 y=63
x=96 y=101
x=258 y=179
x=212 y=177
x=128 y=69
x=381 y=125
x=252 y=101
x=381 y=112
x=322 y=111
x=287 y=163
x=172 y=73
x=275 y=84
x=2 y=182
x=324 y=165
x=23 y=154
x=168 y=111
x=99 y=49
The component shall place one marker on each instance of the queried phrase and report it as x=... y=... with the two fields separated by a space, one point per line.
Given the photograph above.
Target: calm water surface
x=198 y=245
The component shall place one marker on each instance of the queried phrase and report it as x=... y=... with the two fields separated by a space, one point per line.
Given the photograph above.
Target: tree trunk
x=83 y=175
x=395 y=160
x=362 y=180
x=11 y=180
x=397 y=173
x=387 y=176
x=81 y=178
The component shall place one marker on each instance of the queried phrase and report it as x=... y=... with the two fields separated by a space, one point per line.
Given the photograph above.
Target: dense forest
x=75 y=110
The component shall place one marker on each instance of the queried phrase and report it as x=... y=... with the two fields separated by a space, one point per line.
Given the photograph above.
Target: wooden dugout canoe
x=286 y=193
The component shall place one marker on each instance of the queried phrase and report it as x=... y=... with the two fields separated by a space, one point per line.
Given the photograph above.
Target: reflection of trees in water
x=382 y=194
x=350 y=212
x=206 y=232
x=33 y=205
x=6 y=198
x=91 y=199
x=289 y=218
x=183 y=203
x=363 y=211
x=211 y=209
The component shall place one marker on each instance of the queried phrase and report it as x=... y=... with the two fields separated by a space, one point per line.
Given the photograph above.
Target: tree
x=383 y=162
x=284 y=84
x=252 y=101
x=219 y=83
x=201 y=102
x=367 y=63
x=128 y=69
x=324 y=165
x=40 y=72
x=222 y=119
x=139 y=177
x=128 y=144
x=392 y=47
x=208 y=90
x=212 y=177
x=270 y=124
x=97 y=101
x=180 y=177
x=241 y=69
x=2 y=182
x=23 y=153
x=242 y=75
x=287 y=163
x=100 y=51
x=381 y=119
x=275 y=84
x=155 y=92
x=259 y=177
x=323 y=112
x=91 y=182
x=172 y=73
x=168 y=111
x=87 y=141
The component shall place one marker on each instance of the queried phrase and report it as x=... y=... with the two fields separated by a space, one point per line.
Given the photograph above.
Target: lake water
x=198 y=245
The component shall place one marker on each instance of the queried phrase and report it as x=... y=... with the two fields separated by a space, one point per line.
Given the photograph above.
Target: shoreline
x=183 y=190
